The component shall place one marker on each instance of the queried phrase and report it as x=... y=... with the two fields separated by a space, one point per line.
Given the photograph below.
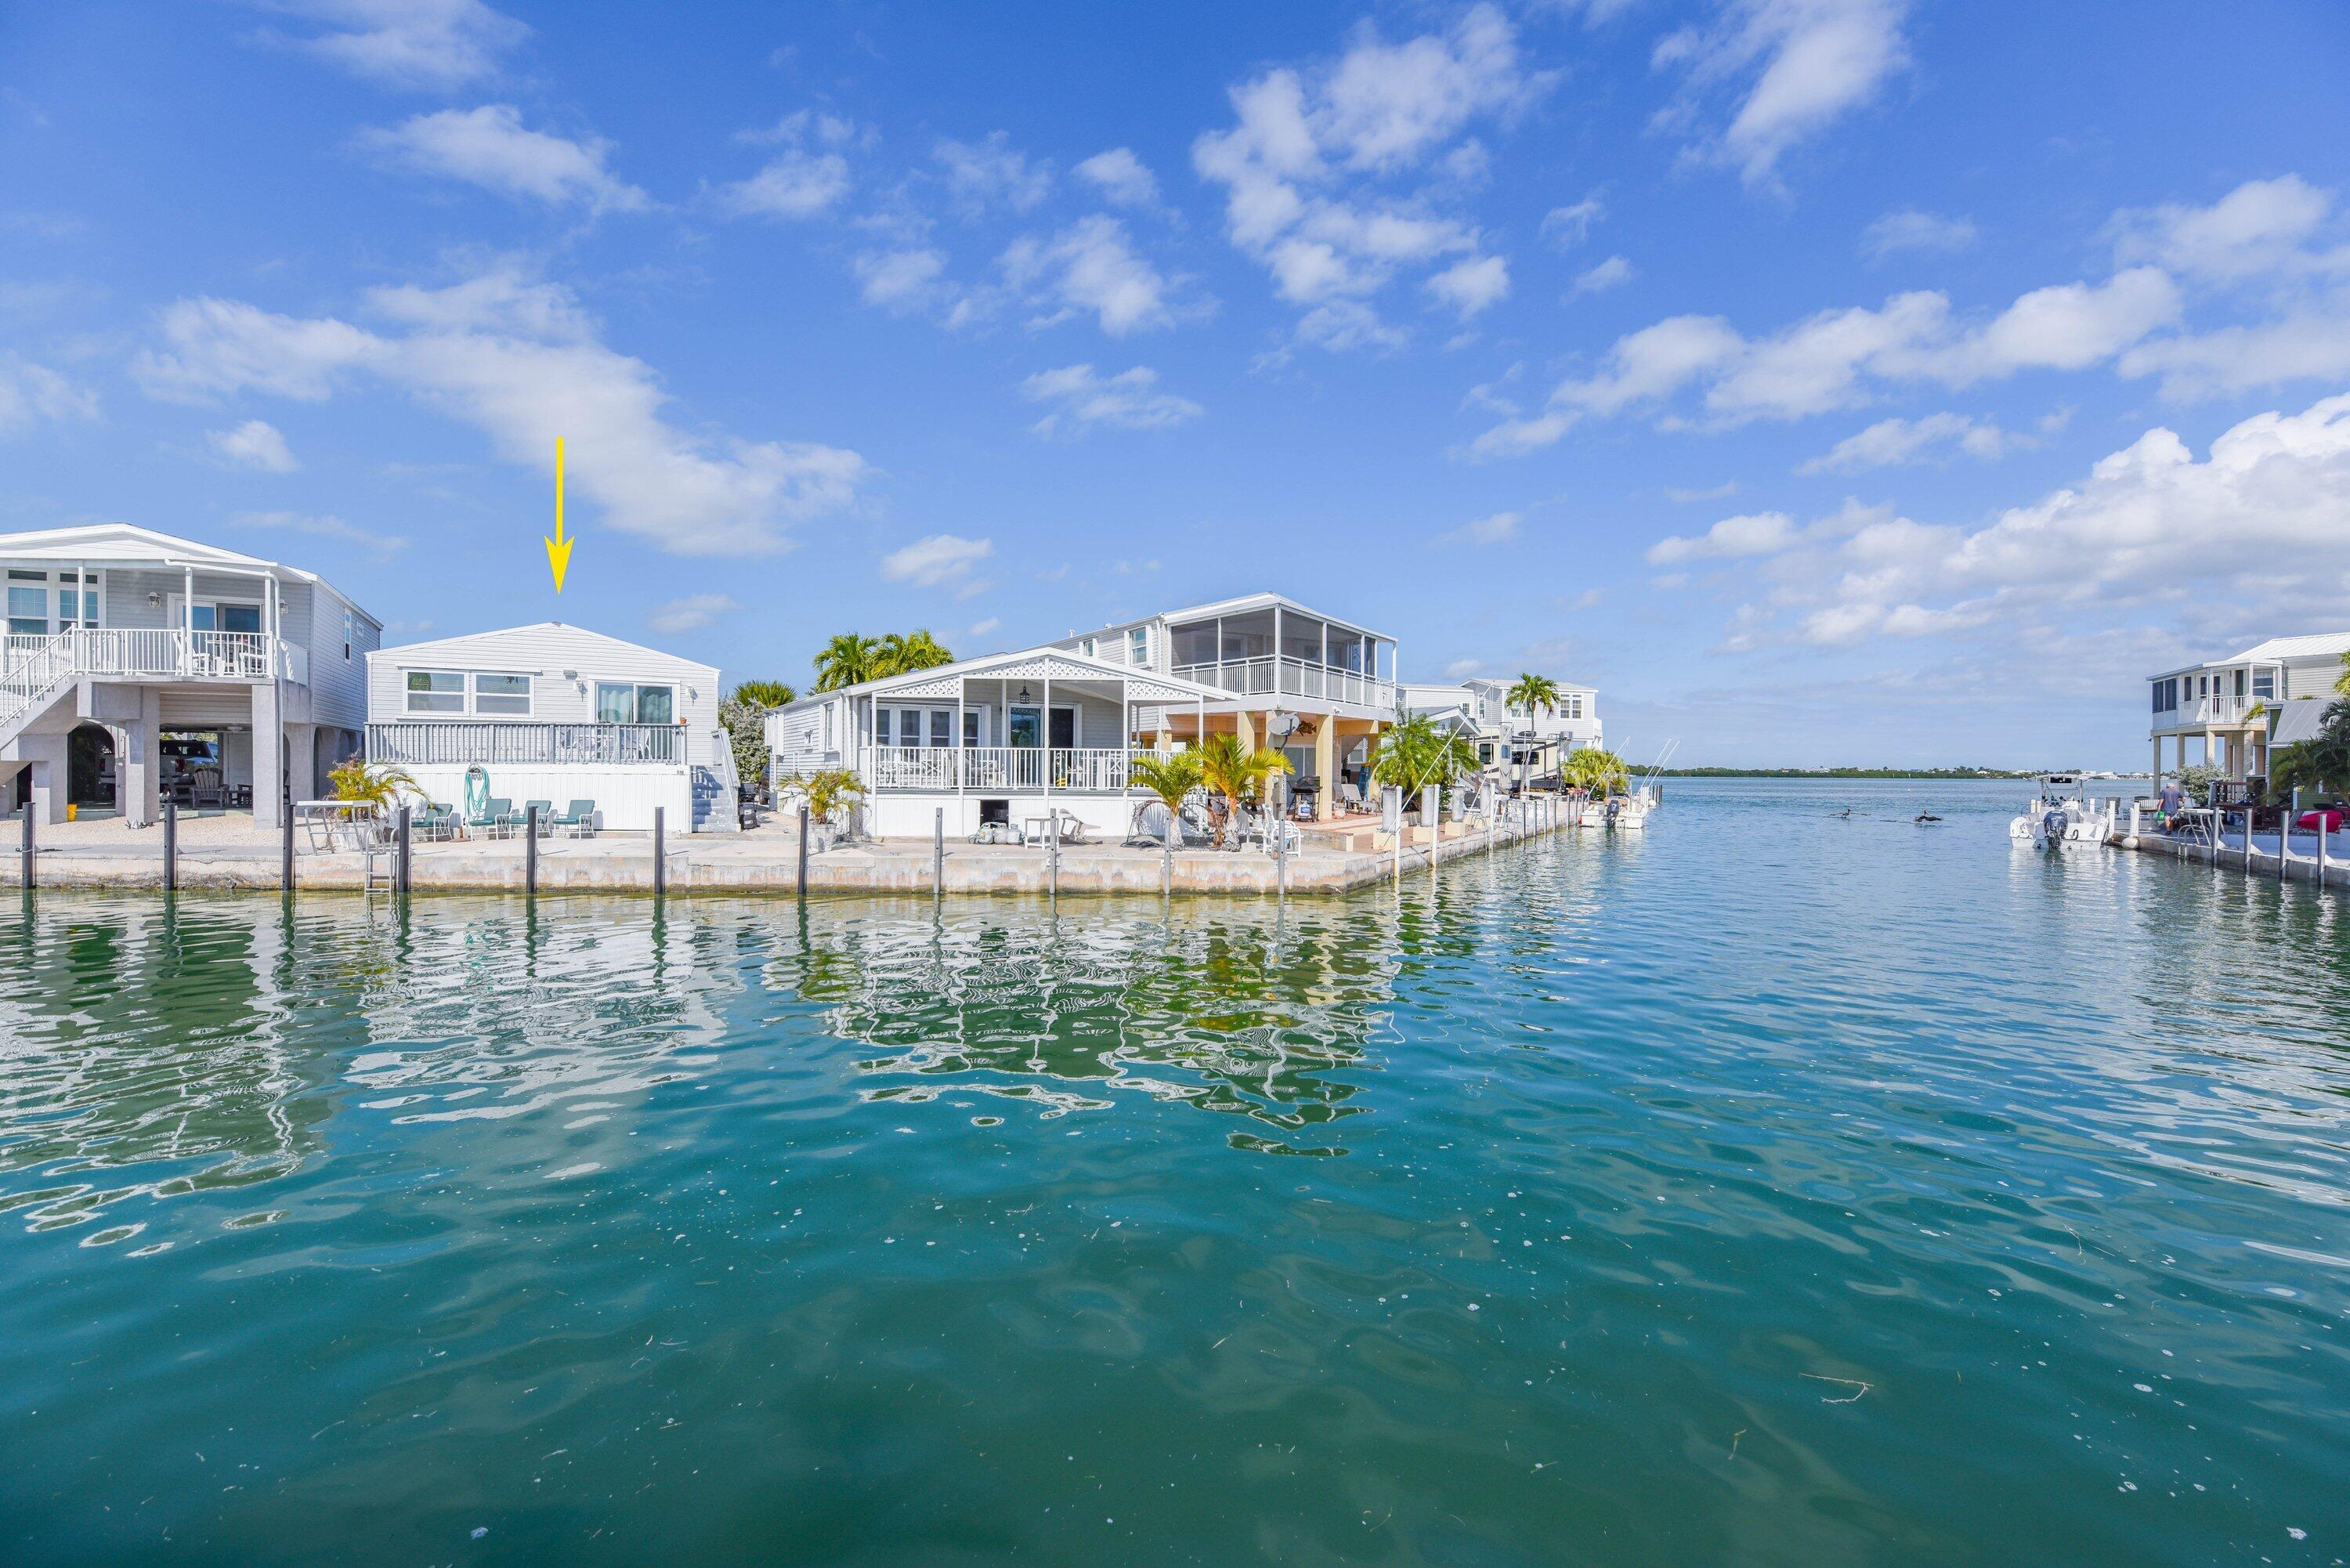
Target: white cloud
x=1721 y=492
x=2122 y=541
x=1470 y=286
x=1894 y=441
x=1755 y=534
x=441 y=44
x=1911 y=230
x=1092 y=266
x=1615 y=270
x=1305 y=164
x=1835 y=359
x=1498 y=529
x=1567 y=227
x=984 y=175
x=690 y=613
x=982 y=627
x=1121 y=178
x=1797 y=64
x=383 y=546
x=1082 y=399
x=1461 y=668
x=2262 y=226
x=30 y=392
x=255 y=443
x=491 y=148
x=519 y=361
x=901 y=280
x=936 y=561
x=801 y=180
x=2306 y=343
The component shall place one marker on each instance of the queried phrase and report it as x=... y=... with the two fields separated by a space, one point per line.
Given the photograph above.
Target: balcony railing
x=1268 y=676
x=2225 y=708
x=174 y=654
x=1008 y=770
x=492 y=742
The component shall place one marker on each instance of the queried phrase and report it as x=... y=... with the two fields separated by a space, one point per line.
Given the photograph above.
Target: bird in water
x=1845 y=812
x=1924 y=818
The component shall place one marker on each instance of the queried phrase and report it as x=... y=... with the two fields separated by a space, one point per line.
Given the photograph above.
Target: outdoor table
x=1035 y=829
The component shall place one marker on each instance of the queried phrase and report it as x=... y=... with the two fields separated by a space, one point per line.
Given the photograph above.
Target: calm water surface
x=1782 y=1187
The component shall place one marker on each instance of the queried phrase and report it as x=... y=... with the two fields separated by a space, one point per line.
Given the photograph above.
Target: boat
x=2060 y=815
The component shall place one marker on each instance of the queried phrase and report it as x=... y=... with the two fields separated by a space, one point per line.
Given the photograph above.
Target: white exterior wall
x=915 y=816
x=545 y=653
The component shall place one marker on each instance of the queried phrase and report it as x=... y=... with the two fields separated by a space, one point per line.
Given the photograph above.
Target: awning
x=2299 y=719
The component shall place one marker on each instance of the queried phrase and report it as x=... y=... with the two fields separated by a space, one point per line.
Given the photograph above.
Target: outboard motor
x=2051 y=827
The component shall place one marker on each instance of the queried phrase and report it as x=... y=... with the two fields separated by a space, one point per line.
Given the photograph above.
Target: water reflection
x=1239 y=1013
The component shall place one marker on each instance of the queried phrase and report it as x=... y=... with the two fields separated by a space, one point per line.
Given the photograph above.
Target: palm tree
x=764 y=694
x=900 y=653
x=1602 y=773
x=1172 y=778
x=376 y=783
x=1236 y=772
x=847 y=661
x=1416 y=752
x=2321 y=762
x=1533 y=693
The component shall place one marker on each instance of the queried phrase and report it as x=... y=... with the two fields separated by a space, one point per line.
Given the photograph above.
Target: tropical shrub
x=1236 y=772
x=359 y=780
x=1601 y=771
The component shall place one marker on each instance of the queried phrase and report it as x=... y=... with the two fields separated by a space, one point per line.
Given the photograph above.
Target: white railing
x=1011 y=770
x=1267 y=676
x=178 y=654
x=424 y=742
x=28 y=678
x=2215 y=709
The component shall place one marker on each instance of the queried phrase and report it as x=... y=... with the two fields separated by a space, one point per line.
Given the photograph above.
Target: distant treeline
x=1844 y=773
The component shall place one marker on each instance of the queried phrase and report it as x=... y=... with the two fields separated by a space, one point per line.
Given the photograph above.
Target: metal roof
x=126 y=544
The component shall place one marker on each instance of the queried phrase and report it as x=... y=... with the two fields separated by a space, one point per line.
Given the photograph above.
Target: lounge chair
x=496 y=815
x=546 y=816
x=577 y=819
x=1073 y=828
x=433 y=822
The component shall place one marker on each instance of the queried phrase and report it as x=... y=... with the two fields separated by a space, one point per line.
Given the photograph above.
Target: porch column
x=961 y=757
x=188 y=623
x=1044 y=722
x=139 y=766
x=1326 y=769
x=1247 y=722
x=268 y=756
x=44 y=761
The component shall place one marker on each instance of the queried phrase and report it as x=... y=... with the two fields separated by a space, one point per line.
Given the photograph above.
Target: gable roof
x=546 y=629
x=2319 y=645
x=1048 y=661
x=126 y=544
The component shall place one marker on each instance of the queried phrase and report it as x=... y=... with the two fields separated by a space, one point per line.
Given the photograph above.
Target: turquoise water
x=1779 y=1188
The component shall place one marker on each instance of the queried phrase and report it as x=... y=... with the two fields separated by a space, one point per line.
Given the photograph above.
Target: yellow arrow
x=558 y=549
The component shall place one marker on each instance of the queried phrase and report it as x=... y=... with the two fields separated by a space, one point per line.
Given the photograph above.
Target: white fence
x=177 y=654
x=1006 y=770
x=1268 y=676
x=427 y=742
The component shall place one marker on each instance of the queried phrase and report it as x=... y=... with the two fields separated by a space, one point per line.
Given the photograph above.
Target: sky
x=1826 y=381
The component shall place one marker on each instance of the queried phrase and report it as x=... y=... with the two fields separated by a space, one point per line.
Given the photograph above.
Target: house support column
x=1326 y=768
x=2158 y=764
x=43 y=759
x=139 y=765
x=1246 y=723
x=268 y=756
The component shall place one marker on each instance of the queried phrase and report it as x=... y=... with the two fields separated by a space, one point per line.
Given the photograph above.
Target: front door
x=1065 y=729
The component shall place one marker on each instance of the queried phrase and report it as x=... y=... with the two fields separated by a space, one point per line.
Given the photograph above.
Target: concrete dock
x=2319 y=860
x=227 y=853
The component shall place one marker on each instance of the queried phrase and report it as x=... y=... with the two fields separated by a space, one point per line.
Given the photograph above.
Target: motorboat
x=2060 y=814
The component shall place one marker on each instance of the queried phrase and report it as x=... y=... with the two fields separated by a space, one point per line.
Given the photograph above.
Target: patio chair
x=546 y=816
x=206 y=790
x=493 y=817
x=577 y=819
x=1073 y=828
x=433 y=822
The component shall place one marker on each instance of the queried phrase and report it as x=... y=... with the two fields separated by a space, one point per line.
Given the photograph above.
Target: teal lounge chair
x=433 y=822
x=546 y=816
x=577 y=819
x=495 y=816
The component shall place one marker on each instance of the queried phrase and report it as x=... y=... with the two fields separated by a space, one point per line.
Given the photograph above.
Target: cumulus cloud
x=1470 y=286
x=255 y=443
x=30 y=392
x=1837 y=359
x=520 y=361
x=990 y=172
x=1308 y=165
x=690 y=613
x=1082 y=399
x=1794 y=67
x=1121 y=179
x=1092 y=267
x=1911 y=230
x=2275 y=487
x=491 y=148
x=1755 y=534
x=938 y=561
x=1894 y=441
x=441 y=44
x=2262 y=226
x=1607 y=275
x=807 y=177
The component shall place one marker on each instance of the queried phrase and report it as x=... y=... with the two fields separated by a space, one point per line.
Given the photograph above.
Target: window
x=971 y=726
x=350 y=626
x=28 y=609
x=436 y=691
x=942 y=727
x=2264 y=684
x=623 y=703
x=1138 y=646
x=1086 y=647
x=2240 y=682
x=507 y=695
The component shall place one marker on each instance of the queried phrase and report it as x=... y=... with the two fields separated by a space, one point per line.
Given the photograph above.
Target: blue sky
x=1824 y=379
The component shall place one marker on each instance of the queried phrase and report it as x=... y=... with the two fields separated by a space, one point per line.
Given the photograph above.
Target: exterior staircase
x=31 y=684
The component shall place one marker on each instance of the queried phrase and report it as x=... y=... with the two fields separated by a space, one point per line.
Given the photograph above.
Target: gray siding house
x=135 y=664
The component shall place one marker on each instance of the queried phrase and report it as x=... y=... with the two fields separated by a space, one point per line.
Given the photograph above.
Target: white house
x=2239 y=708
x=1506 y=738
x=1003 y=739
x=136 y=664
x=558 y=713
x=1270 y=660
